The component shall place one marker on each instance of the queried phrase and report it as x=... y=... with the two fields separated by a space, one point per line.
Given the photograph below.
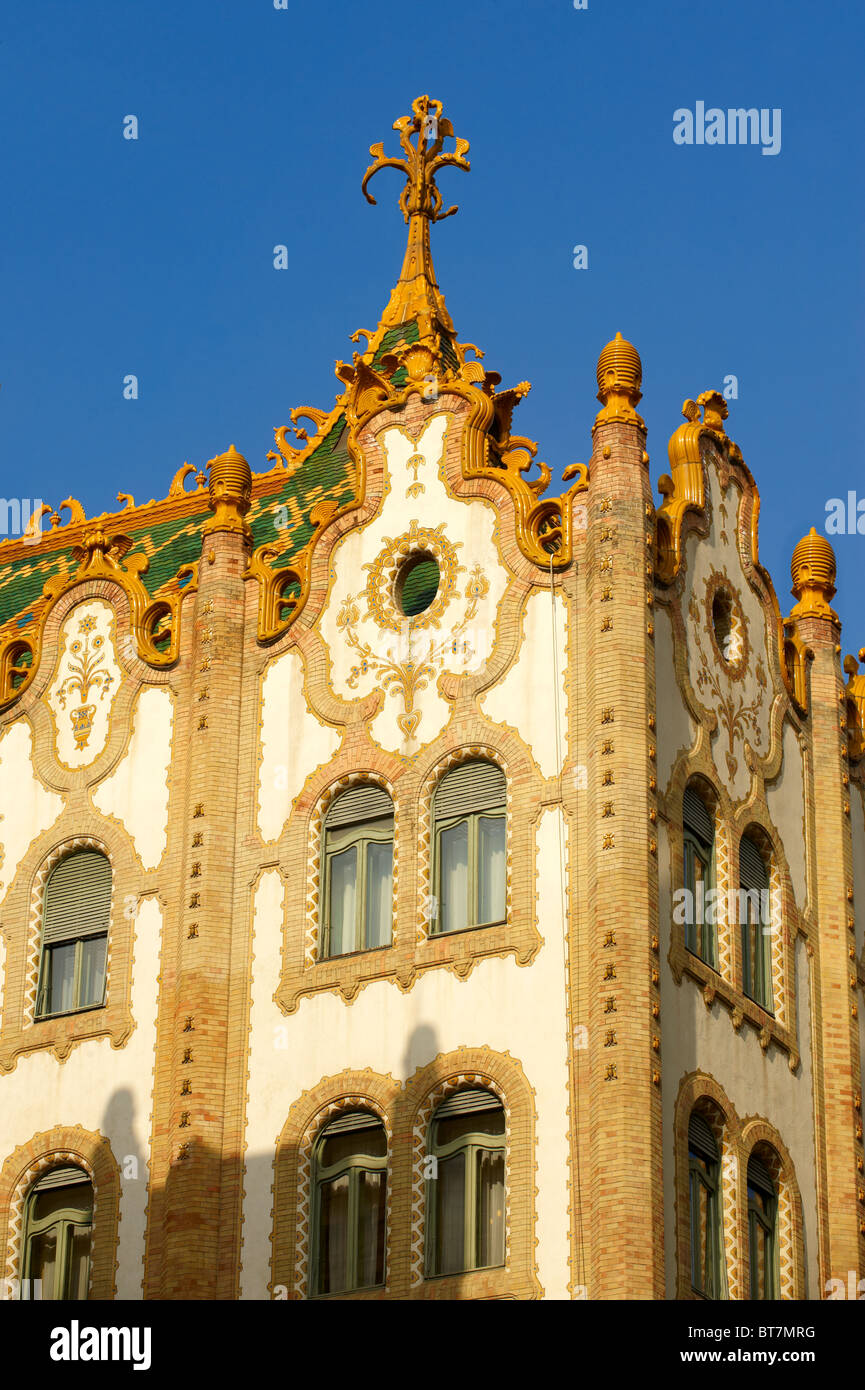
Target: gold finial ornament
x=417 y=294
x=230 y=492
x=812 y=569
x=620 y=376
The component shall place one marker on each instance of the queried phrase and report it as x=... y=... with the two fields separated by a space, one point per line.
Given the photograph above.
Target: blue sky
x=155 y=256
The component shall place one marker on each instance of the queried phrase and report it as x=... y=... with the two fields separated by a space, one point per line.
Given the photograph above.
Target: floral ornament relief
x=85 y=682
x=415 y=462
x=86 y=672
x=407 y=666
x=736 y=715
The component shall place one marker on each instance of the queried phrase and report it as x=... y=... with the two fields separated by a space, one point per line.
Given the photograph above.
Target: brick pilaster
x=200 y=1181
x=621 y=852
x=843 y=1209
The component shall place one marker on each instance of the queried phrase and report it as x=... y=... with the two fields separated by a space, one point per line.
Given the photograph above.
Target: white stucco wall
x=525 y=698
x=293 y=742
x=27 y=808
x=136 y=793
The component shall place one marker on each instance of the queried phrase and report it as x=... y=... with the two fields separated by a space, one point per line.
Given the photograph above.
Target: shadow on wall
x=193 y=1258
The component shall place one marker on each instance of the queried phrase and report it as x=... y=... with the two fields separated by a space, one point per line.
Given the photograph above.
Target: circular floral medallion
x=383 y=588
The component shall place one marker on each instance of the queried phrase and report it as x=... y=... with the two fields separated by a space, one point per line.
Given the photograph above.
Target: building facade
x=418 y=886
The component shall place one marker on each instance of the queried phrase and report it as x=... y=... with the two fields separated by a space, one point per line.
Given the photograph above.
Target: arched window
x=469 y=837
x=704 y=1179
x=358 y=871
x=698 y=842
x=350 y=1185
x=466 y=1187
x=57 y=1221
x=75 y=916
x=755 y=917
x=762 y=1230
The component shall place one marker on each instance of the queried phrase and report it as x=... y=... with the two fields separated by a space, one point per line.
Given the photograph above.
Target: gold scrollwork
x=154 y=621
x=855 y=698
x=683 y=488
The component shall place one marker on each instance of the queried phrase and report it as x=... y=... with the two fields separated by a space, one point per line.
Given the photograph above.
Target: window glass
x=333 y=1232
x=379 y=894
x=350 y=1176
x=61 y=978
x=92 y=983
x=466 y=1193
x=492 y=873
x=371 y=1224
x=450 y=1190
x=343 y=899
x=490 y=1178
x=454 y=850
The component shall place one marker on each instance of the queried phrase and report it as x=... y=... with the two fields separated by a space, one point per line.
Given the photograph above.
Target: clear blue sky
x=155 y=257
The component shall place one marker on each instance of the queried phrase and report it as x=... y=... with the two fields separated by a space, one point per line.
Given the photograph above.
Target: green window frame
x=350 y=1205
x=74 y=948
x=756 y=925
x=708 y=1274
x=470 y=848
x=698 y=843
x=358 y=872
x=762 y=1232
x=57 y=1236
x=466 y=1186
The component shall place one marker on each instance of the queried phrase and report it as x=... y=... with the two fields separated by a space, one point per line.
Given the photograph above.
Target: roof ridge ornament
x=417 y=297
x=420 y=197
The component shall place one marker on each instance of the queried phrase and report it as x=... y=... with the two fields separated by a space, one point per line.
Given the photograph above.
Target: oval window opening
x=417 y=585
x=727 y=628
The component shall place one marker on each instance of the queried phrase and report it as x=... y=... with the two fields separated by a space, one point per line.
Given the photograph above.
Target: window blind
x=467 y=1103
x=753 y=874
x=363 y=802
x=471 y=787
x=60 y=1177
x=700 y=1136
x=759 y=1176
x=696 y=818
x=77 y=898
x=357 y=1119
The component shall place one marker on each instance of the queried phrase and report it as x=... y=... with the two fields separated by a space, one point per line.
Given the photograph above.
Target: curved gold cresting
x=683 y=489
x=154 y=622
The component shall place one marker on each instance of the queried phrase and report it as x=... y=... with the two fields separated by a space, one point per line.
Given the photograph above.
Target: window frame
x=472 y=820
x=353 y=1165
x=756 y=1217
x=73 y=935
x=714 y=1220
x=693 y=846
x=757 y=981
x=471 y=1144
x=358 y=835
x=66 y=1219
x=43 y=988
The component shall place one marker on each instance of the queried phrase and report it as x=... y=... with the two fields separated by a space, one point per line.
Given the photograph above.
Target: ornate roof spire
x=416 y=296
